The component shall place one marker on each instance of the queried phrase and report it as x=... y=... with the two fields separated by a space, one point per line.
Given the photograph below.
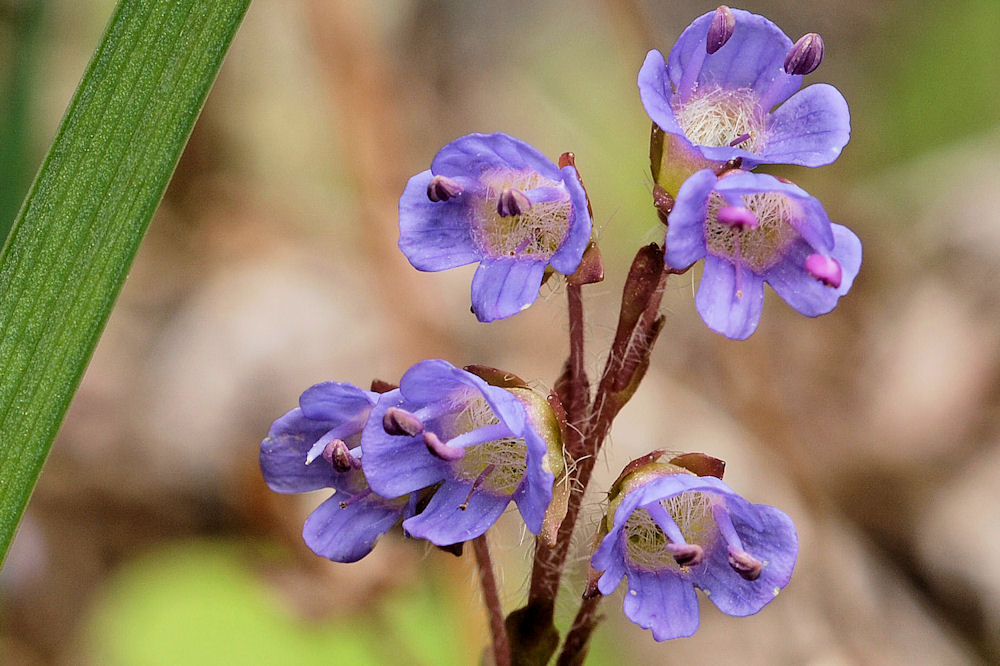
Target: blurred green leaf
x=941 y=79
x=202 y=603
x=199 y=603
x=71 y=246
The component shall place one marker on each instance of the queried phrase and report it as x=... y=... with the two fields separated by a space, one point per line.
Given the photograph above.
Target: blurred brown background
x=272 y=265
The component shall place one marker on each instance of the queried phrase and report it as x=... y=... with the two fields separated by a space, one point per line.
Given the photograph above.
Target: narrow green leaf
x=72 y=244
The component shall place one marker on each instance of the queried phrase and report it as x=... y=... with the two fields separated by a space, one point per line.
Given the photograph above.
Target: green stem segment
x=80 y=226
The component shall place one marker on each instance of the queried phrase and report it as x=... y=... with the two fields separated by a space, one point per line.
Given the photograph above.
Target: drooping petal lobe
x=456 y=514
x=348 y=533
x=686 y=231
x=434 y=236
x=283 y=456
x=505 y=286
x=772 y=540
x=810 y=129
x=667 y=604
x=804 y=292
x=730 y=298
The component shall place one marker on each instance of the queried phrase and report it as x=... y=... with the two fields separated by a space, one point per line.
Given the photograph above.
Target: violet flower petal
x=534 y=494
x=686 y=229
x=434 y=236
x=667 y=604
x=335 y=401
x=772 y=539
x=504 y=286
x=655 y=92
x=566 y=259
x=443 y=522
x=283 y=455
x=475 y=153
x=347 y=534
x=434 y=379
x=727 y=307
x=754 y=58
x=810 y=129
x=805 y=293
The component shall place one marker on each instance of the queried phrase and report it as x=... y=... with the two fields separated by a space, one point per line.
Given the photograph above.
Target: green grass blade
x=78 y=230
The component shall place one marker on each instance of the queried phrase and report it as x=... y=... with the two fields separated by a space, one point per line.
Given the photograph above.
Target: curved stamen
x=742 y=562
x=475 y=484
x=342 y=431
x=721 y=515
x=684 y=553
x=438 y=409
x=665 y=522
x=481 y=435
x=825 y=269
x=740 y=139
x=737 y=216
x=513 y=202
x=441 y=450
x=340 y=457
x=442 y=188
x=357 y=498
x=745 y=564
x=400 y=422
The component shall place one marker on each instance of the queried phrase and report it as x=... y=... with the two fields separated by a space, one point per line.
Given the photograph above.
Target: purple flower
x=447 y=426
x=753 y=228
x=496 y=200
x=315 y=446
x=718 y=100
x=678 y=531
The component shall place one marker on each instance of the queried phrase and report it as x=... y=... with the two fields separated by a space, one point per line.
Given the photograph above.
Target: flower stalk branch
x=491 y=598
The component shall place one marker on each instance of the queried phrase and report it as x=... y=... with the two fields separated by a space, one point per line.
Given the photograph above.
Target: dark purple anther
x=805 y=55
x=745 y=564
x=721 y=29
x=738 y=140
x=340 y=457
x=400 y=422
x=686 y=554
x=737 y=216
x=513 y=202
x=442 y=188
x=825 y=269
x=441 y=450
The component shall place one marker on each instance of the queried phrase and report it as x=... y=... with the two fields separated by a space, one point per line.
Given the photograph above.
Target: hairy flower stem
x=491 y=596
x=574 y=649
x=576 y=394
x=588 y=425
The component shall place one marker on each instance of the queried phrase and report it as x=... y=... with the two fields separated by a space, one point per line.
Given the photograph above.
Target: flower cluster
x=446 y=452
x=728 y=99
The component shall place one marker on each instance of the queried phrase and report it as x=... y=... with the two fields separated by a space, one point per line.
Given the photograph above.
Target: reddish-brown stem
x=491 y=598
x=574 y=649
x=578 y=386
x=588 y=426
